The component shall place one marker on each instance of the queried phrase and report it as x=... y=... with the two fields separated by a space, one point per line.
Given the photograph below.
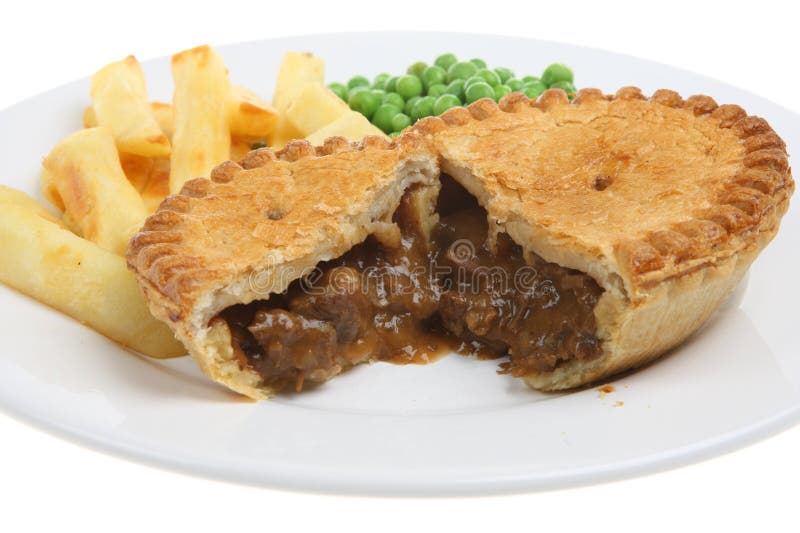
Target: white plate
x=453 y=427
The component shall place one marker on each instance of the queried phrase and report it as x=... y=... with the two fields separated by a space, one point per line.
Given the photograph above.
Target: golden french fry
x=77 y=277
x=250 y=116
x=353 y=126
x=9 y=196
x=52 y=196
x=71 y=224
x=283 y=133
x=157 y=187
x=49 y=190
x=85 y=170
x=137 y=169
x=161 y=111
x=313 y=108
x=89 y=118
x=202 y=134
x=149 y=176
x=119 y=100
x=296 y=70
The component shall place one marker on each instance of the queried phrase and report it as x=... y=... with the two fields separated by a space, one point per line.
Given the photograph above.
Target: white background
x=47 y=483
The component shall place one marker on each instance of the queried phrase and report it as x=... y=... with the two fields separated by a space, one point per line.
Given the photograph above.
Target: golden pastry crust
x=257 y=225
x=664 y=201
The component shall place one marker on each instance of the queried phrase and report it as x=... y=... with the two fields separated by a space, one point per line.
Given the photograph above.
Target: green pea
x=357 y=81
x=446 y=61
x=383 y=117
x=422 y=108
x=473 y=79
x=380 y=93
x=365 y=102
x=391 y=84
x=504 y=74
x=394 y=99
x=437 y=90
x=528 y=79
x=394 y=134
x=489 y=76
x=567 y=86
x=410 y=104
x=445 y=102
x=433 y=76
x=515 y=84
x=400 y=122
x=357 y=89
x=456 y=87
x=557 y=72
x=500 y=91
x=480 y=63
x=380 y=81
x=534 y=88
x=339 y=89
x=476 y=91
x=461 y=71
x=532 y=91
x=258 y=145
x=409 y=86
x=417 y=68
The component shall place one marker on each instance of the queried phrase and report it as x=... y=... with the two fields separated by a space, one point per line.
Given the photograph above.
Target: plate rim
x=670 y=459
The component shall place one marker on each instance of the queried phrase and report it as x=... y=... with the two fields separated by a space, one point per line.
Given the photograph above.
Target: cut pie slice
x=664 y=202
x=244 y=235
x=574 y=239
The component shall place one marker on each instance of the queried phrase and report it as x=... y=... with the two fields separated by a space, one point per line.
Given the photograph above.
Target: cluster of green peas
x=393 y=103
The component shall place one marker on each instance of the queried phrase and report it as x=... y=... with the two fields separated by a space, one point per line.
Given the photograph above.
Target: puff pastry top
x=269 y=210
x=652 y=187
x=649 y=189
x=639 y=193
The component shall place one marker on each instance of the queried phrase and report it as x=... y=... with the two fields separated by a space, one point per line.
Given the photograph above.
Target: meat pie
x=571 y=240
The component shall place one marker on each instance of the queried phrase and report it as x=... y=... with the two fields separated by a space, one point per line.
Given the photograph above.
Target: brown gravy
x=416 y=302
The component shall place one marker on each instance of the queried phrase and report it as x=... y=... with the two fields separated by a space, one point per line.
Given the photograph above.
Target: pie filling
x=421 y=299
